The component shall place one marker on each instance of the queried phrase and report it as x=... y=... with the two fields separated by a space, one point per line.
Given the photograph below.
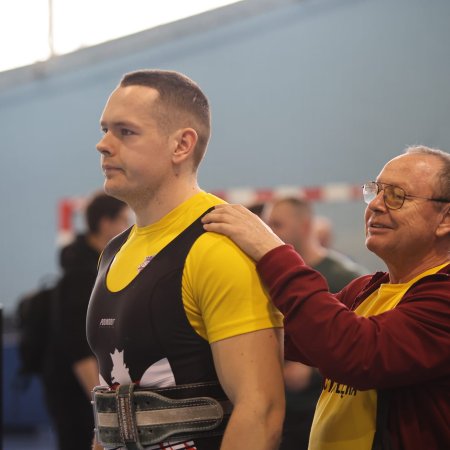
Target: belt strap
x=135 y=417
x=126 y=417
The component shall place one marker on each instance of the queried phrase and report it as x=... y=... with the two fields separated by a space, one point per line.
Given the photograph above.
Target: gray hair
x=444 y=175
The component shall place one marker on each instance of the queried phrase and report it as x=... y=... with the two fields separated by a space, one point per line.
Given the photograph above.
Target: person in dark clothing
x=70 y=370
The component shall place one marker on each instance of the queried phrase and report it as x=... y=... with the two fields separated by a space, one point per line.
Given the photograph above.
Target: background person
x=324 y=231
x=383 y=343
x=70 y=369
x=259 y=208
x=293 y=220
x=174 y=305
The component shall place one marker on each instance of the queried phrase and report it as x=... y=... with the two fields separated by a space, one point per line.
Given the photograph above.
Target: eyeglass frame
x=381 y=187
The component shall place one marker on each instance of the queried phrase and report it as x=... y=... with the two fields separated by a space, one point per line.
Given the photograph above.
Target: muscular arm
x=249 y=367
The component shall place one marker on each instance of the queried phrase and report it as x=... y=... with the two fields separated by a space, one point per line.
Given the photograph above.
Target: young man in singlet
x=173 y=305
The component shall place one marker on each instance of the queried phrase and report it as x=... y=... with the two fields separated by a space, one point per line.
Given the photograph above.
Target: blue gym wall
x=303 y=93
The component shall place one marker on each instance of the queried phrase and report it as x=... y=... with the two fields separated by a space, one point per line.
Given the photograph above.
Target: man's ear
x=186 y=140
x=443 y=228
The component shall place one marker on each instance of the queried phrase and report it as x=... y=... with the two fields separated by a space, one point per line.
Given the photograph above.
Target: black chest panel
x=146 y=320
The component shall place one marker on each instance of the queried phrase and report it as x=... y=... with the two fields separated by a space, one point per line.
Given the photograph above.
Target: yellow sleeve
x=222 y=294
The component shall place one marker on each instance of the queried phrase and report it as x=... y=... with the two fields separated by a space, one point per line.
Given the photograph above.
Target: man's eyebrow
x=118 y=124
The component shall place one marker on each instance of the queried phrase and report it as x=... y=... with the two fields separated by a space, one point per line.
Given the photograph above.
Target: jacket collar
x=383 y=277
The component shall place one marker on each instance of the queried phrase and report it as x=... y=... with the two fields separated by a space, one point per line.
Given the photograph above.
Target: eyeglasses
x=393 y=196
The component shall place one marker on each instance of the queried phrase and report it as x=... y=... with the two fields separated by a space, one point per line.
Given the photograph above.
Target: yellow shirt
x=345 y=417
x=221 y=291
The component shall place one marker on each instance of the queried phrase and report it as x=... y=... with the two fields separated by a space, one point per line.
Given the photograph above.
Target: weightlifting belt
x=134 y=417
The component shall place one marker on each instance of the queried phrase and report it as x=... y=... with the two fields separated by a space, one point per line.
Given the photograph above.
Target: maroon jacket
x=405 y=351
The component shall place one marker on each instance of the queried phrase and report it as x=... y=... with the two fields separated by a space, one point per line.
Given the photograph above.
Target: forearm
x=252 y=429
x=311 y=311
x=86 y=371
x=249 y=367
x=96 y=445
x=364 y=352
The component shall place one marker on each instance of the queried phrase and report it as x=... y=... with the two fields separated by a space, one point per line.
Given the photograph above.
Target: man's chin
x=376 y=247
x=113 y=191
x=371 y=246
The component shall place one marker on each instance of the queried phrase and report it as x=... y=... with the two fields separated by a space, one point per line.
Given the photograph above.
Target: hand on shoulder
x=243 y=227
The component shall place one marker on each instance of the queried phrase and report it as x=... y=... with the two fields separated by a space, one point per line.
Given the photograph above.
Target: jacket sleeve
x=407 y=345
x=75 y=292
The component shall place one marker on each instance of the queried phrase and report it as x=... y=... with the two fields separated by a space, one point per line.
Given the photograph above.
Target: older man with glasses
x=383 y=342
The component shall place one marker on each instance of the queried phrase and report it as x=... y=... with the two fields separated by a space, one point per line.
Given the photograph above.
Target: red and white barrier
x=70 y=208
x=336 y=192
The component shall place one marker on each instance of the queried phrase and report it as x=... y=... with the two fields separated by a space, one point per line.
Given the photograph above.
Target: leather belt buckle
x=136 y=417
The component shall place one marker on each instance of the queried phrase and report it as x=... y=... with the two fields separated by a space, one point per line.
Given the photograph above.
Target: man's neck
x=96 y=241
x=153 y=209
x=403 y=272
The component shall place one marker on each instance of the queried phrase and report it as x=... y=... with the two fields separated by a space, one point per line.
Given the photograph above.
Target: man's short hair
x=443 y=176
x=257 y=208
x=301 y=205
x=181 y=102
x=100 y=206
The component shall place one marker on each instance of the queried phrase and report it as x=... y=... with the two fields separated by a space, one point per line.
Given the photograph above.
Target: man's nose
x=104 y=145
x=378 y=202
